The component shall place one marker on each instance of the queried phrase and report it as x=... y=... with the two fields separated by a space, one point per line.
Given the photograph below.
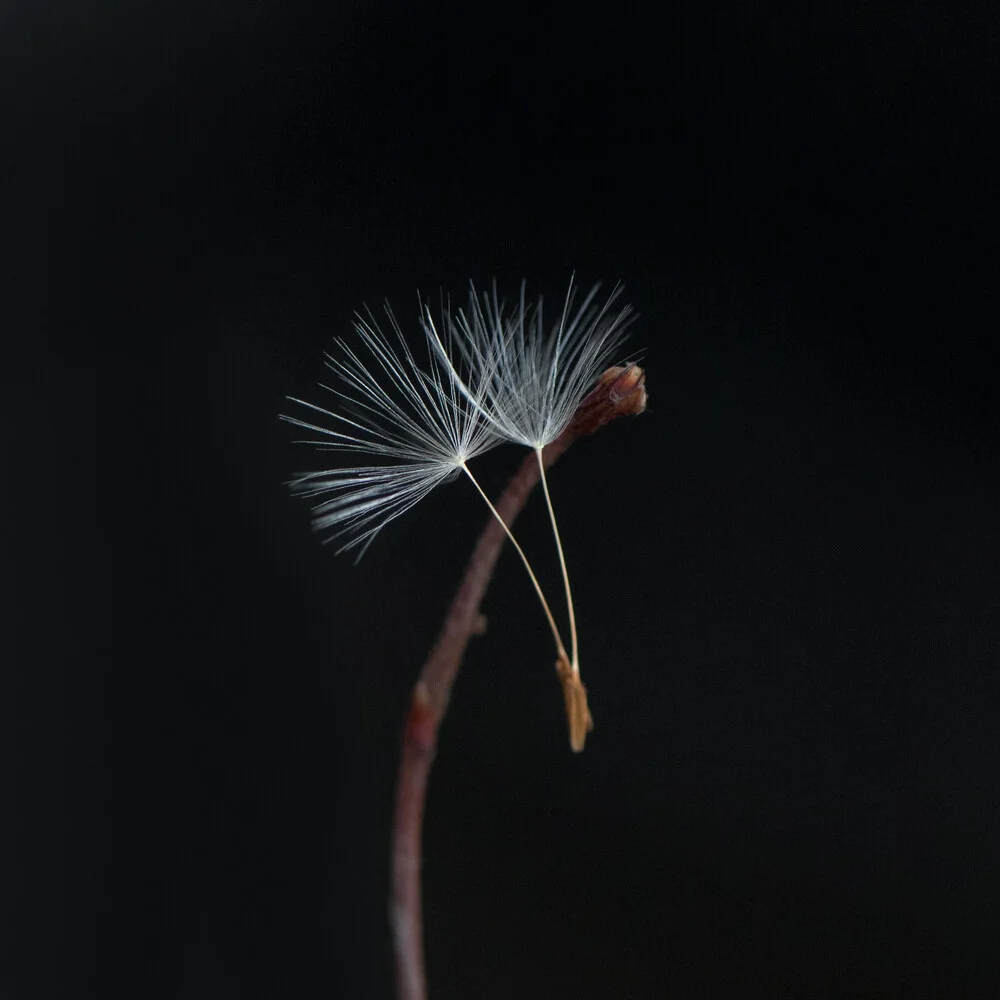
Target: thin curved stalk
x=619 y=392
x=574 y=644
x=560 y=648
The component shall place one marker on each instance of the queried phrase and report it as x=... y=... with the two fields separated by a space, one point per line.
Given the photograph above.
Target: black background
x=786 y=571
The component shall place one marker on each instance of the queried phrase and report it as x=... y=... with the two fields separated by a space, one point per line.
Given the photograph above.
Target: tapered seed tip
x=577 y=710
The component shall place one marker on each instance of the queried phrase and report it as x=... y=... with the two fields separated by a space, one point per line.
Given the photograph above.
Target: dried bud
x=577 y=711
x=619 y=392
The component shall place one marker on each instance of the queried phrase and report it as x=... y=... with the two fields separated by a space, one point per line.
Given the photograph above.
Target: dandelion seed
x=534 y=381
x=528 y=385
x=421 y=424
x=413 y=421
x=489 y=377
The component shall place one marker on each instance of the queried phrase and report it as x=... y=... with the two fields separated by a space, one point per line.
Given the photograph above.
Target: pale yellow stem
x=562 y=563
x=560 y=648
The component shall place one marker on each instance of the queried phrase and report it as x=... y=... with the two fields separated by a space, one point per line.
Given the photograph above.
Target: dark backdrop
x=786 y=571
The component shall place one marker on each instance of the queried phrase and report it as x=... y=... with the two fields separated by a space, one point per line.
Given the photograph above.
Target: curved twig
x=619 y=392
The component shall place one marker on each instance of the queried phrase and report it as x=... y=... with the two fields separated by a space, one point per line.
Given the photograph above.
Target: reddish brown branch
x=619 y=392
